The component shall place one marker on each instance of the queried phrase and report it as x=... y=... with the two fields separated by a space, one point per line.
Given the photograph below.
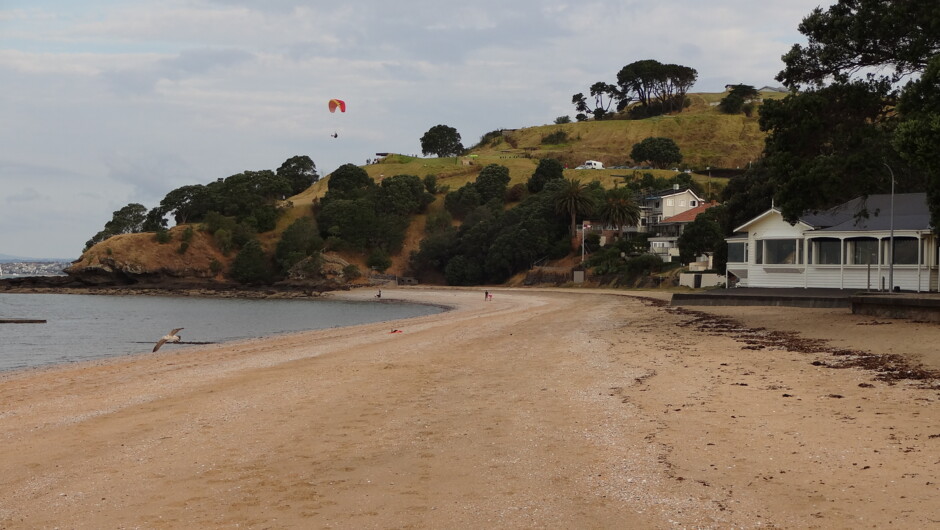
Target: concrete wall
x=708 y=280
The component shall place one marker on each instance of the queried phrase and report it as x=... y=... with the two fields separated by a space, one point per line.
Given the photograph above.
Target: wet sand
x=558 y=409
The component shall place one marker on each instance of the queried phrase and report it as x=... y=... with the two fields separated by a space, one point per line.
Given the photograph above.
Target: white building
x=846 y=247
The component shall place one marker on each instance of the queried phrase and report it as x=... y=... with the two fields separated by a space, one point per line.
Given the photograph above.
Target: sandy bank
x=537 y=409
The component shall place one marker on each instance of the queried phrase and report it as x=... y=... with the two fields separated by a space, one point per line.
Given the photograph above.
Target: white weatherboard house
x=840 y=248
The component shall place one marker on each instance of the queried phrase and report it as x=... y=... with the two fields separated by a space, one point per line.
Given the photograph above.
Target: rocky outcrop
x=189 y=257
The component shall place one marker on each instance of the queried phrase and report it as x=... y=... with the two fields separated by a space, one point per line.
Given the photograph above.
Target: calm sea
x=83 y=327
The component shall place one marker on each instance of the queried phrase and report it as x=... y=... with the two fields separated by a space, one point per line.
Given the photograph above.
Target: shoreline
x=540 y=408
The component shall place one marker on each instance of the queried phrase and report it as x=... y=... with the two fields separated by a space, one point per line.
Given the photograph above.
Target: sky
x=110 y=102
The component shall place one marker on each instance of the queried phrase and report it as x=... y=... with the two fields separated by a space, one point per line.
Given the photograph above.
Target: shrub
x=162 y=236
x=251 y=264
x=351 y=272
x=430 y=184
x=223 y=240
x=379 y=260
x=184 y=246
x=215 y=266
x=516 y=193
x=561 y=120
x=557 y=137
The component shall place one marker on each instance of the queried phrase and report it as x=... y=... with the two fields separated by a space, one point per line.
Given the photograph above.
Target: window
x=781 y=252
x=681 y=202
x=737 y=252
x=759 y=252
x=693 y=204
x=905 y=251
x=670 y=202
x=827 y=251
x=864 y=251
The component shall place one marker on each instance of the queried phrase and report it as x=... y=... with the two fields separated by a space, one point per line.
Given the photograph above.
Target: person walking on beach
x=379 y=295
x=486 y=295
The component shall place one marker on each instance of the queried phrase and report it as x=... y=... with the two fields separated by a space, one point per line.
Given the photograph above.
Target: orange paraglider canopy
x=337 y=104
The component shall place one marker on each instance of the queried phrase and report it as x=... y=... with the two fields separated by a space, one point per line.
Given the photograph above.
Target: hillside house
x=654 y=208
x=840 y=248
x=663 y=244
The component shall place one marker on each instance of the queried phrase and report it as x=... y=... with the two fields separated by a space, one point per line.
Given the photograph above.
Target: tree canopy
x=655 y=86
x=300 y=172
x=832 y=140
x=658 y=151
x=875 y=38
x=548 y=169
x=441 y=141
x=128 y=220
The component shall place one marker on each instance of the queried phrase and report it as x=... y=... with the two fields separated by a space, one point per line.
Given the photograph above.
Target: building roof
x=667 y=193
x=689 y=215
x=874 y=213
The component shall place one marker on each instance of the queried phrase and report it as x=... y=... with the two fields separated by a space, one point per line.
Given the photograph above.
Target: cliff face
x=140 y=258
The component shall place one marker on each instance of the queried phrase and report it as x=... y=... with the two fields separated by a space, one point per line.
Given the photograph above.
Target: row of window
x=825 y=251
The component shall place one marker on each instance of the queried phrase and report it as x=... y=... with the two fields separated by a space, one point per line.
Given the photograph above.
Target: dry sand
x=538 y=409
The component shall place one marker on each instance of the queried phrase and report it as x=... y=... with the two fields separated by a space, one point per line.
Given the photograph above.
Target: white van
x=591 y=164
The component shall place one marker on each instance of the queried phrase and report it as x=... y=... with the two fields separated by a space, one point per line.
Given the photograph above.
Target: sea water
x=85 y=327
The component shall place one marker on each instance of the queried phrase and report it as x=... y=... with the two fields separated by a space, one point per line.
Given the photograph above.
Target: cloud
x=188 y=64
x=27 y=194
x=119 y=101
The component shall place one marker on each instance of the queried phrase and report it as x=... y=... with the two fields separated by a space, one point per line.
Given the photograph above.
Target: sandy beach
x=538 y=409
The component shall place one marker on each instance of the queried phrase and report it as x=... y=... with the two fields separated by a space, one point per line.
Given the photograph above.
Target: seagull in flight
x=169 y=337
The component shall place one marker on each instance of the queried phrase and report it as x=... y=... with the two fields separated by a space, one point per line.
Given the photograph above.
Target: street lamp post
x=891 y=236
x=585 y=225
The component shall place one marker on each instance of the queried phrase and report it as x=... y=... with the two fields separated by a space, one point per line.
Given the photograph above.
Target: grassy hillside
x=706 y=137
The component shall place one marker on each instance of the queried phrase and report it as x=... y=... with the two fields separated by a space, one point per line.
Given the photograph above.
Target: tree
x=572 y=199
x=828 y=144
x=658 y=151
x=492 y=182
x=348 y=182
x=599 y=90
x=128 y=220
x=403 y=195
x=580 y=104
x=251 y=264
x=464 y=200
x=832 y=140
x=187 y=203
x=618 y=208
x=441 y=140
x=298 y=241
x=300 y=172
x=737 y=97
x=156 y=220
x=918 y=135
x=704 y=235
x=657 y=87
x=548 y=169
x=854 y=37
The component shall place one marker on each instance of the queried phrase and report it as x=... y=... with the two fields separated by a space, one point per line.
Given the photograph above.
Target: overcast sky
x=108 y=102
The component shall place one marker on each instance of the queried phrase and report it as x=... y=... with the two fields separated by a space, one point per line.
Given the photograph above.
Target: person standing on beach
x=486 y=295
x=379 y=295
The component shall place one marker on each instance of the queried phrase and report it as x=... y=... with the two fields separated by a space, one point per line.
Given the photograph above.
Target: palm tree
x=573 y=198
x=618 y=208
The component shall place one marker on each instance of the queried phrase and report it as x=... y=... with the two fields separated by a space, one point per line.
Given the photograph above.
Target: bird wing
x=161 y=342
x=175 y=331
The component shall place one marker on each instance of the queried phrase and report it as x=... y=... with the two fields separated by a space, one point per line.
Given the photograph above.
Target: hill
x=706 y=138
